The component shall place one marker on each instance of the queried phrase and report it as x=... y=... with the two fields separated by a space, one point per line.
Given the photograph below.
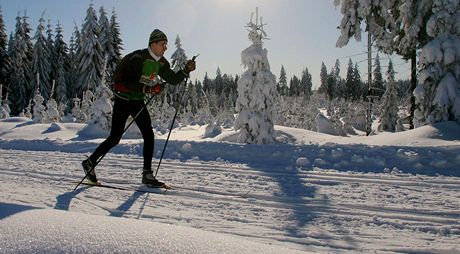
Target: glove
x=156 y=89
x=190 y=66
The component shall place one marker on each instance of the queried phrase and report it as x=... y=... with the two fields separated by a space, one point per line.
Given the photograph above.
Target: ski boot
x=150 y=180
x=90 y=172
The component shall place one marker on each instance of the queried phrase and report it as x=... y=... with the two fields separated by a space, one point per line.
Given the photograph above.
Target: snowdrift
x=29 y=230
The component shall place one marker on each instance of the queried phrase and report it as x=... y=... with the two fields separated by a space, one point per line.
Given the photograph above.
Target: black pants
x=122 y=109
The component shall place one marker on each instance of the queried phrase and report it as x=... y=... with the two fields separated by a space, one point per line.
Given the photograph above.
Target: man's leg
x=145 y=126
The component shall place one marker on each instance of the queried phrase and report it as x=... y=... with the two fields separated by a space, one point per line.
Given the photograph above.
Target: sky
x=302 y=33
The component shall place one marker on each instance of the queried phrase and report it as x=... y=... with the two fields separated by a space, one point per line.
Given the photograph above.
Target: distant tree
x=378 y=86
x=294 y=86
x=349 y=82
x=282 y=83
x=389 y=110
x=306 y=84
x=323 y=77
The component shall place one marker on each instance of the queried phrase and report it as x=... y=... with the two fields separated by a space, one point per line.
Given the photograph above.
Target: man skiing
x=138 y=74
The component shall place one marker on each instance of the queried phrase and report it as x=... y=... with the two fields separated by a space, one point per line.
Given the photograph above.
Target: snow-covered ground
x=310 y=192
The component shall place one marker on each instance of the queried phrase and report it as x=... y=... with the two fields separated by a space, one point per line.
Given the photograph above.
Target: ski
x=142 y=188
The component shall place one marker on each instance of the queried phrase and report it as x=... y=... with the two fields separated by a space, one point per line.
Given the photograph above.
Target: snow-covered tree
x=105 y=37
x=38 y=108
x=52 y=114
x=40 y=61
x=4 y=109
x=5 y=61
x=90 y=57
x=114 y=53
x=77 y=113
x=74 y=49
x=257 y=92
x=18 y=89
x=87 y=101
x=100 y=114
x=438 y=91
x=403 y=27
x=389 y=110
x=61 y=52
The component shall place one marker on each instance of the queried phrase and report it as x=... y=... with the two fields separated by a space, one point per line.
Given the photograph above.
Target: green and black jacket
x=139 y=69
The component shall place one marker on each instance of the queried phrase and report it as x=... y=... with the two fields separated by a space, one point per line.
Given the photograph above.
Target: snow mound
x=66 y=232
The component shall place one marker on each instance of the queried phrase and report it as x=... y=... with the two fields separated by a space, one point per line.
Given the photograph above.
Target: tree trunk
x=413 y=85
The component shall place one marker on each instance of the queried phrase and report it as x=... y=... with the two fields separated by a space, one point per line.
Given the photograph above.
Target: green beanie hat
x=157 y=36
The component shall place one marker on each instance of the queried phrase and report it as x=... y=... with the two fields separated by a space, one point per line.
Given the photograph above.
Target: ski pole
x=126 y=128
x=172 y=122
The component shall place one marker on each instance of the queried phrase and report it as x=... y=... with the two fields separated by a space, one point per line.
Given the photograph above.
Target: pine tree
x=18 y=88
x=5 y=60
x=61 y=52
x=389 y=114
x=438 y=90
x=323 y=77
x=90 y=58
x=282 y=83
x=114 y=53
x=105 y=37
x=358 y=91
x=306 y=83
x=72 y=74
x=53 y=58
x=378 y=87
x=349 y=82
x=178 y=61
x=40 y=62
x=29 y=50
x=257 y=92
x=294 y=86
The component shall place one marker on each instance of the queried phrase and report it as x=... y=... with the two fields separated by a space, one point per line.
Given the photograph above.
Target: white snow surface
x=307 y=193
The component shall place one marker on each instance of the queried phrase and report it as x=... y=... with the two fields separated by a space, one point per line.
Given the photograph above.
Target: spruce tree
x=257 y=92
x=282 y=82
x=40 y=62
x=61 y=52
x=306 y=84
x=5 y=61
x=378 y=86
x=114 y=53
x=105 y=37
x=90 y=58
x=323 y=78
x=389 y=114
x=349 y=82
x=18 y=88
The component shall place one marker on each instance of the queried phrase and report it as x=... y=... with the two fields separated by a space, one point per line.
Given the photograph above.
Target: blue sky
x=302 y=33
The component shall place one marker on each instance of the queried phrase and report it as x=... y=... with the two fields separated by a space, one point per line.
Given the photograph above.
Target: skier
x=136 y=75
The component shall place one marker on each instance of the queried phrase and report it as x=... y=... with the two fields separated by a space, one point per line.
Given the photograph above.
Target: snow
x=308 y=192
x=82 y=233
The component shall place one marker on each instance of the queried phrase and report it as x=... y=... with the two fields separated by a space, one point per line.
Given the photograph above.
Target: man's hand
x=156 y=89
x=190 y=66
